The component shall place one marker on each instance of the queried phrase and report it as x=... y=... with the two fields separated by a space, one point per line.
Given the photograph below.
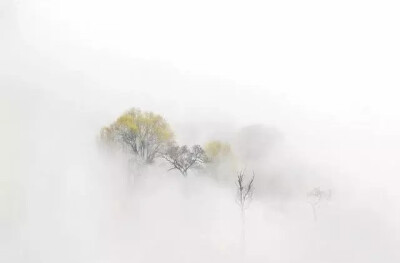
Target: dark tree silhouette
x=244 y=196
x=244 y=190
x=183 y=158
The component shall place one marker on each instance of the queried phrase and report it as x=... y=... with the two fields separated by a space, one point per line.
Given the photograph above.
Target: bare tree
x=244 y=190
x=244 y=196
x=183 y=158
x=315 y=196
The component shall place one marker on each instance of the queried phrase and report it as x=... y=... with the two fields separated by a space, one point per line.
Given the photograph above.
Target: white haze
x=323 y=76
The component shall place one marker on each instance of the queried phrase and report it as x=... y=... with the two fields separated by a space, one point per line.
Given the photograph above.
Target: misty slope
x=77 y=206
x=63 y=201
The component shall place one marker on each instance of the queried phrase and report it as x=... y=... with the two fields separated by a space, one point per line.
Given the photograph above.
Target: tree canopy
x=144 y=134
x=217 y=150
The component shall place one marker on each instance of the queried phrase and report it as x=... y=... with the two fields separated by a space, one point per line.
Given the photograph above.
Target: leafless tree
x=244 y=190
x=315 y=196
x=244 y=196
x=183 y=158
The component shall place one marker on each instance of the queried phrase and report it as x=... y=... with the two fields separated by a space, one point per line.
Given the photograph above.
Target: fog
x=306 y=93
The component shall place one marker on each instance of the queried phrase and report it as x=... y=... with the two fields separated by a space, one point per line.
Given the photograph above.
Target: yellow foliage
x=144 y=132
x=146 y=123
x=127 y=120
x=217 y=149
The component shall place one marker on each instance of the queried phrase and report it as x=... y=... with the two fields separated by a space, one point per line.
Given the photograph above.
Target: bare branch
x=184 y=158
x=244 y=190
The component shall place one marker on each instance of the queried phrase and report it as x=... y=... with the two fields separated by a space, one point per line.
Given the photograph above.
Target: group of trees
x=147 y=136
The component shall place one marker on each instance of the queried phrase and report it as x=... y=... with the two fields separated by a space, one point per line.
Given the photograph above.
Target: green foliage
x=144 y=134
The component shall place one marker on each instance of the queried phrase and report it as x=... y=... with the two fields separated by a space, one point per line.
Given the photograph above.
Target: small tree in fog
x=315 y=196
x=183 y=158
x=244 y=196
x=222 y=161
x=244 y=190
x=217 y=150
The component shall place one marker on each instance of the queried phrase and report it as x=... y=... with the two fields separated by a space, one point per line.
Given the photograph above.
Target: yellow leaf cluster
x=217 y=149
x=145 y=125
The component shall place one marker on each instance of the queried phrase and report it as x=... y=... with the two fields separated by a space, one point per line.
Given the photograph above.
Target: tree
x=183 y=158
x=217 y=150
x=244 y=196
x=244 y=190
x=144 y=134
x=222 y=161
x=315 y=196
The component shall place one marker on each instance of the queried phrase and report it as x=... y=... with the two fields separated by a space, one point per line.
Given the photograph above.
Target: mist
x=305 y=93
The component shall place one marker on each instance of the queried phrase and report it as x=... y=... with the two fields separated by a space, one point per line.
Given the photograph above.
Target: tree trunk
x=314 y=209
x=243 y=235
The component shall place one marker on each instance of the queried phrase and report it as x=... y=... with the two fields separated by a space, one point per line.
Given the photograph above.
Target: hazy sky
x=324 y=73
x=338 y=58
x=308 y=66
